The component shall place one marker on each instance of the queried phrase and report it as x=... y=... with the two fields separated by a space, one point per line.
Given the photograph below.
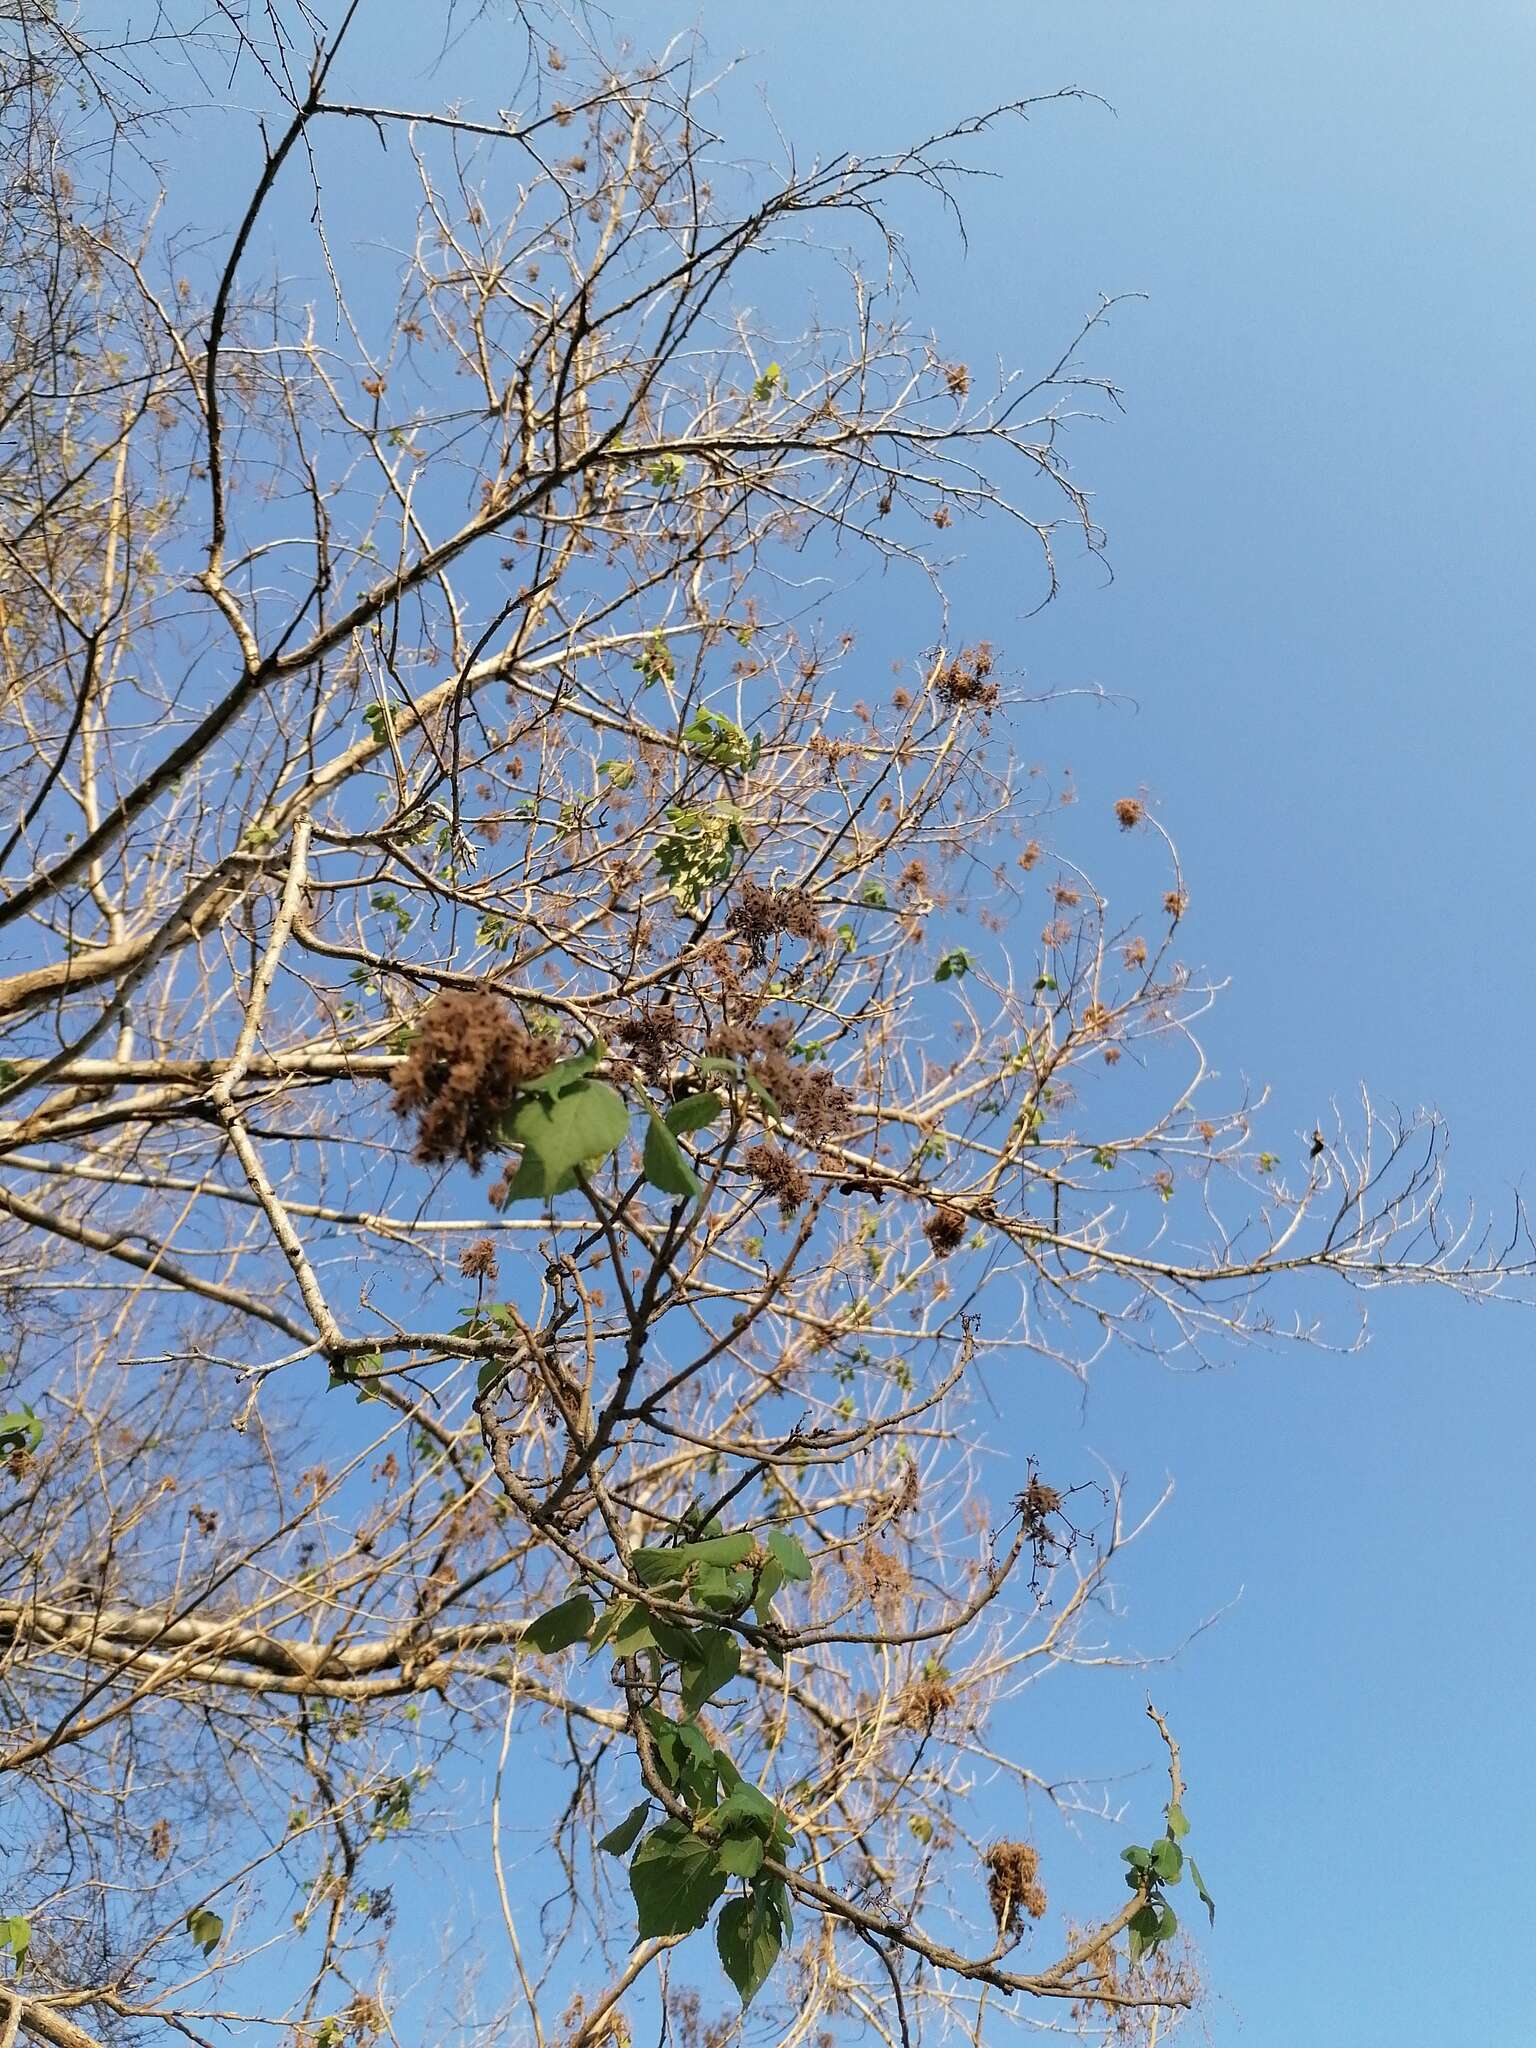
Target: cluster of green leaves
x=697 y=851
x=567 y=1121
x=954 y=966
x=719 y=1827
x=666 y=472
x=654 y=663
x=767 y=384
x=1153 y=1871
x=720 y=741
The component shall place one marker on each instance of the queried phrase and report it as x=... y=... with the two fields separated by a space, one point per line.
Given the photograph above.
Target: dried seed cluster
x=466 y=1063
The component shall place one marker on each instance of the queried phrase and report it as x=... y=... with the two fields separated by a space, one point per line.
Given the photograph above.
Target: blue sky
x=1320 y=513
x=1319 y=636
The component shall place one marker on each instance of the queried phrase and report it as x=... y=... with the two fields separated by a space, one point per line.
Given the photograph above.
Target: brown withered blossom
x=963 y=684
x=478 y=1261
x=945 y=1230
x=759 y=914
x=1013 y=1886
x=461 y=1075
x=652 y=1032
x=806 y=1091
x=774 y=1169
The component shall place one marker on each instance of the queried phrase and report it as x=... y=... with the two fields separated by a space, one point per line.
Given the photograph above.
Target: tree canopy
x=536 y=1081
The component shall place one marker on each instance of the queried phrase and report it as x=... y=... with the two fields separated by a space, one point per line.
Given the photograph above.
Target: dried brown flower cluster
x=1013 y=1886
x=807 y=1092
x=945 y=1230
x=1130 y=811
x=787 y=1183
x=478 y=1260
x=653 y=1033
x=963 y=684
x=926 y=1700
x=466 y=1063
x=759 y=914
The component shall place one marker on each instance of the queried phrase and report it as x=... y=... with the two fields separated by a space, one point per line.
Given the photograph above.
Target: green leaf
x=655 y=1567
x=1137 y=1857
x=1168 y=1860
x=564 y=1074
x=954 y=965
x=718 y=740
x=789 y=1555
x=742 y=1855
x=205 y=1928
x=676 y=1878
x=1178 y=1826
x=1199 y=1884
x=559 y=1627
x=560 y=1133
x=631 y=1633
x=769 y=1580
x=744 y=1806
x=775 y=1114
x=1143 y=1930
x=666 y=1167
x=718 y=1659
x=721 y=1590
x=674 y=1640
x=749 y=1935
x=620 y=1840
x=693 y=1112
x=16 y=1935
x=20 y=1430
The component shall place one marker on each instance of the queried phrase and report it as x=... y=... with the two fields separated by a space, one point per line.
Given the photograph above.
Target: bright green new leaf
x=954 y=965
x=749 y=1935
x=620 y=1840
x=721 y=1590
x=559 y=1627
x=744 y=1806
x=676 y=1878
x=16 y=1935
x=1178 y=1826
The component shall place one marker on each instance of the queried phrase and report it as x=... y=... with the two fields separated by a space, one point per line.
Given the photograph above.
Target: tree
x=531 y=1090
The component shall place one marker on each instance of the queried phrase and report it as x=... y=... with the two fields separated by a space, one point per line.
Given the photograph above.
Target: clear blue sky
x=1321 y=518
x=1320 y=513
